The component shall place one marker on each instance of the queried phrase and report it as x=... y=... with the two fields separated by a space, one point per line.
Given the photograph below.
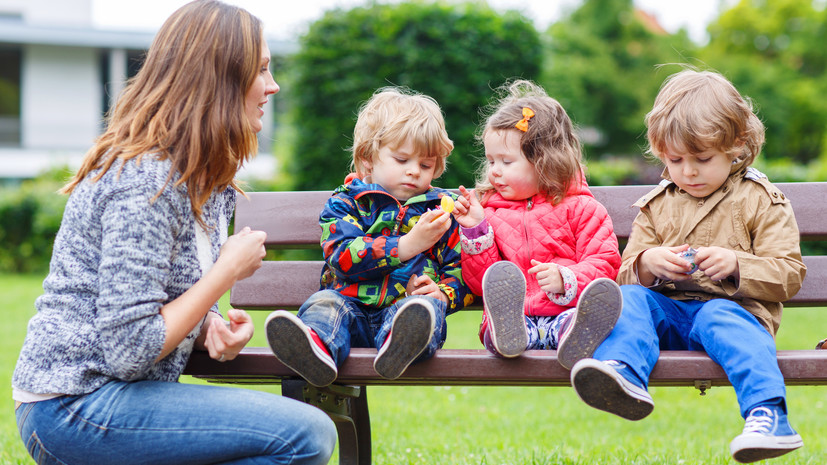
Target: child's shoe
x=612 y=387
x=597 y=312
x=411 y=331
x=767 y=434
x=298 y=347
x=503 y=295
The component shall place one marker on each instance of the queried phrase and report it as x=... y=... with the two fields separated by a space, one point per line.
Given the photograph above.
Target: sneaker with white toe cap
x=767 y=434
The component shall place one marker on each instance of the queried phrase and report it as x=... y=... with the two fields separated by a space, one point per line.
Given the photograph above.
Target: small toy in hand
x=446 y=204
x=689 y=256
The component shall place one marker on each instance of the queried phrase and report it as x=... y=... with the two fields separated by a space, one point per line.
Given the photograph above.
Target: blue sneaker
x=767 y=434
x=612 y=387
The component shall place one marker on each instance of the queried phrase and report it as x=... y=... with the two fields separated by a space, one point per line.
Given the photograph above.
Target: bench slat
x=257 y=365
x=287 y=284
x=291 y=218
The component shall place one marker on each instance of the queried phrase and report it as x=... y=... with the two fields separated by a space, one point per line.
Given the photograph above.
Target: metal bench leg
x=347 y=406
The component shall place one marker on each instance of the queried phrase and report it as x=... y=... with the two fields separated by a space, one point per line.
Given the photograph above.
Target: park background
x=604 y=60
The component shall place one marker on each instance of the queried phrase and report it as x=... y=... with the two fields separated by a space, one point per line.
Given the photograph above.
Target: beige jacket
x=748 y=215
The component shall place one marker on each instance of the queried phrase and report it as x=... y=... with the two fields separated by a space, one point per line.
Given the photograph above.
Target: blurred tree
x=602 y=66
x=455 y=53
x=773 y=51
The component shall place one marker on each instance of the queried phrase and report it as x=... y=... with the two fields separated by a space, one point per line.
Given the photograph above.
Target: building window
x=10 y=58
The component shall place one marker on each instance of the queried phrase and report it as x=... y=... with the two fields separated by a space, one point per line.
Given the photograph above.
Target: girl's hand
x=431 y=226
x=424 y=285
x=548 y=276
x=223 y=341
x=243 y=252
x=717 y=262
x=467 y=209
x=663 y=263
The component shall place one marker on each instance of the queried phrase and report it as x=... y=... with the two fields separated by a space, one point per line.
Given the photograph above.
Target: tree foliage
x=456 y=53
x=773 y=51
x=602 y=66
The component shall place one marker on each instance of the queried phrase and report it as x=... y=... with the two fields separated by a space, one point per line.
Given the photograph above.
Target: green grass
x=513 y=425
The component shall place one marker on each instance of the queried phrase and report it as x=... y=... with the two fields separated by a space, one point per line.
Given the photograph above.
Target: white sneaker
x=594 y=318
x=503 y=295
x=411 y=331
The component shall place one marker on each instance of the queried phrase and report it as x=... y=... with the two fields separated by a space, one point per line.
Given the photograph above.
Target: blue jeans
x=157 y=422
x=343 y=323
x=730 y=335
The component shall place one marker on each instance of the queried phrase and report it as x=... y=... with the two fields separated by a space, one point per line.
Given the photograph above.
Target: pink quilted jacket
x=576 y=234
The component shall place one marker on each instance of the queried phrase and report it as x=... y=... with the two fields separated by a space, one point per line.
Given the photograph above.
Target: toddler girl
x=544 y=247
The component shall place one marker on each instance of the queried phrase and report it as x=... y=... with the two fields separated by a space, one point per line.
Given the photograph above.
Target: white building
x=58 y=75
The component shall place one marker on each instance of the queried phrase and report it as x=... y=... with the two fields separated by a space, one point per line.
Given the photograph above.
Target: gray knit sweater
x=118 y=258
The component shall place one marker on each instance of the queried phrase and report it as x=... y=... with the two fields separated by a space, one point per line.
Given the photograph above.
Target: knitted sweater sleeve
x=139 y=238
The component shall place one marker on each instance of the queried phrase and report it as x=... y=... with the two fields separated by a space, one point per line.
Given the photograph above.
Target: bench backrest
x=290 y=220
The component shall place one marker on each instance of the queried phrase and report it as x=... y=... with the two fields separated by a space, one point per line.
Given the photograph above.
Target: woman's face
x=263 y=86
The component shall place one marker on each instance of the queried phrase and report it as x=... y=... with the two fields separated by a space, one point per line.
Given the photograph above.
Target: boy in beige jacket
x=712 y=255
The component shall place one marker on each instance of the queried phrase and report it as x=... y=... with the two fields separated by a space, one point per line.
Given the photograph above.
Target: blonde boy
x=392 y=257
x=712 y=254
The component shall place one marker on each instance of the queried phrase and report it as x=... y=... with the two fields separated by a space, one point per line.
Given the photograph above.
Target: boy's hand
x=425 y=233
x=467 y=209
x=663 y=263
x=424 y=285
x=717 y=262
x=548 y=276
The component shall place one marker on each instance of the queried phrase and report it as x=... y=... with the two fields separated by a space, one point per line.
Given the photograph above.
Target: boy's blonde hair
x=700 y=110
x=549 y=142
x=394 y=115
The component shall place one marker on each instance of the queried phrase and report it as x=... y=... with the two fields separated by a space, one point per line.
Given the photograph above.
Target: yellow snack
x=447 y=204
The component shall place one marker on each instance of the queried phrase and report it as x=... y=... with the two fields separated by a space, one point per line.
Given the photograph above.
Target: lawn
x=514 y=425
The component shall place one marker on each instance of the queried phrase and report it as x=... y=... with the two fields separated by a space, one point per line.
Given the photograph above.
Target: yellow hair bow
x=522 y=125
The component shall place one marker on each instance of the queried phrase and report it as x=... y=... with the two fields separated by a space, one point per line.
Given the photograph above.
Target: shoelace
x=759 y=424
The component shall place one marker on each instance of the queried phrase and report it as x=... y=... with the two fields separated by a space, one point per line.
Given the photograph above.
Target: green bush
x=455 y=53
x=30 y=216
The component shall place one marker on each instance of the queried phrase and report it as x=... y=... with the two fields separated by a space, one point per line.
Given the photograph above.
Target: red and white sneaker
x=503 y=296
x=299 y=347
x=411 y=331
x=597 y=312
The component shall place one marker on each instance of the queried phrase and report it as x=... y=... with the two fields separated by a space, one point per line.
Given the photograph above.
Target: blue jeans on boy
x=158 y=422
x=342 y=323
x=729 y=334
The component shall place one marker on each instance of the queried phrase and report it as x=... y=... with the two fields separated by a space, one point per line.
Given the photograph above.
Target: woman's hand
x=467 y=209
x=224 y=341
x=243 y=252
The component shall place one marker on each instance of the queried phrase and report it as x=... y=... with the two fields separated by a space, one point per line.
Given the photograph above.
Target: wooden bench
x=291 y=221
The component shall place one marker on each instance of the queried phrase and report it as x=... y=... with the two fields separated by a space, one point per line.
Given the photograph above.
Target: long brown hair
x=187 y=102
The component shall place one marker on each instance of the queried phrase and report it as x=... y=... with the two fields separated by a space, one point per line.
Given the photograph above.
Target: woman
x=138 y=266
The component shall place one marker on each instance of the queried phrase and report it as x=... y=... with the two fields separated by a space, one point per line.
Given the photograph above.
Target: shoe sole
x=293 y=346
x=608 y=391
x=504 y=288
x=411 y=331
x=755 y=448
x=597 y=312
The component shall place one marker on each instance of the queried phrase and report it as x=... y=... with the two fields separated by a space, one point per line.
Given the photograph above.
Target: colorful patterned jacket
x=361 y=226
